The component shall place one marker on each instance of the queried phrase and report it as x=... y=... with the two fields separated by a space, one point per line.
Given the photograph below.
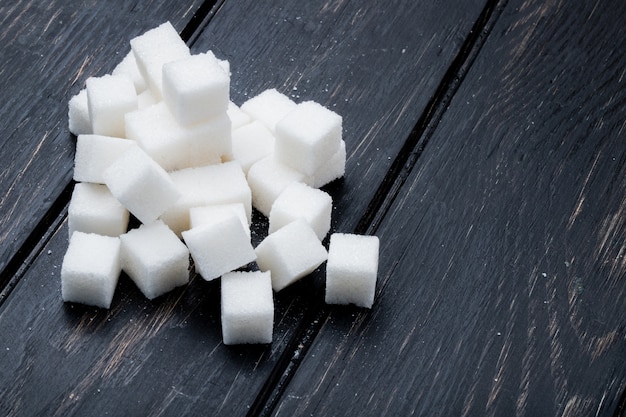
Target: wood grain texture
x=165 y=357
x=501 y=285
x=47 y=51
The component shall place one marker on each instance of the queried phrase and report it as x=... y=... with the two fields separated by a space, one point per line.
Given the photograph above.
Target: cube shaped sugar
x=210 y=141
x=331 y=170
x=109 y=98
x=307 y=137
x=196 y=88
x=267 y=179
x=90 y=269
x=352 y=269
x=93 y=209
x=290 y=253
x=237 y=116
x=95 y=153
x=299 y=201
x=128 y=67
x=251 y=142
x=219 y=247
x=155 y=259
x=158 y=134
x=202 y=215
x=78 y=114
x=176 y=147
x=145 y=99
x=208 y=185
x=269 y=107
x=154 y=48
x=141 y=185
x=247 y=307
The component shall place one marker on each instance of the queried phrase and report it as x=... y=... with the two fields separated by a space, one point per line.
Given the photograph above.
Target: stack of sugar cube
x=159 y=139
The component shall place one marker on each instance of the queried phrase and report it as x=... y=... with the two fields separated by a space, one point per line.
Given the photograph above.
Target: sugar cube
x=299 y=201
x=155 y=259
x=93 y=209
x=219 y=247
x=109 y=98
x=145 y=99
x=90 y=269
x=141 y=185
x=267 y=179
x=268 y=107
x=352 y=269
x=202 y=215
x=78 y=114
x=208 y=185
x=158 y=134
x=175 y=147
x=331 y=170
x=128 y=67
x=251 y=142
x=154 y=48
x=290 y=253
x=95 y=153
x=247 y=307
x=307 y=137
x=196 y=89
x=199 y=216
x=237 y=116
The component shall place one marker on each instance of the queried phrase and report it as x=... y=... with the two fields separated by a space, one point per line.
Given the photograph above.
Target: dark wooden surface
x=485 y=148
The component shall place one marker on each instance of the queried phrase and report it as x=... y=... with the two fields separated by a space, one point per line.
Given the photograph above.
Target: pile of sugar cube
x=159 y=138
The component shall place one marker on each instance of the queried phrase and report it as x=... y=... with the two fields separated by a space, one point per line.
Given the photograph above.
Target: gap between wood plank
x=34 y=244
x=19 y=264
x=200 y=20
x=384 y=197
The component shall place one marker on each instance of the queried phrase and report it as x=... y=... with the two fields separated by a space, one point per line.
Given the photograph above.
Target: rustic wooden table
x=486 y=148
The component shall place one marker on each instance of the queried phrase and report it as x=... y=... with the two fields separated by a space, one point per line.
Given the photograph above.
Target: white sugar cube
x=352 y=269
x=141 y=185
x=208 y=185
x=299 y=201
x=90 y=269
x=93 y=209
x=128 y=67
x=251 y=142
x=176 y=147
x=209 y=141
x=145 y=99
x=237 y=116
x=290 y=253
x=109 y=98
x=267 y=179
x=269 y=107
x=196 y=89
x=78 y=114
x=333 y=169
x=307 y=137
x=155 y=259
x=219 y=247
x=95 y=153
x=154 y=48
x=202 y=215
x=247 y=307
x=158 y=134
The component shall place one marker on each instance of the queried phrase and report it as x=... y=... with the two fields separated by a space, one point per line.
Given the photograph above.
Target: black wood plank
x=501 y=285
x=47 y=51
x=377 y=65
